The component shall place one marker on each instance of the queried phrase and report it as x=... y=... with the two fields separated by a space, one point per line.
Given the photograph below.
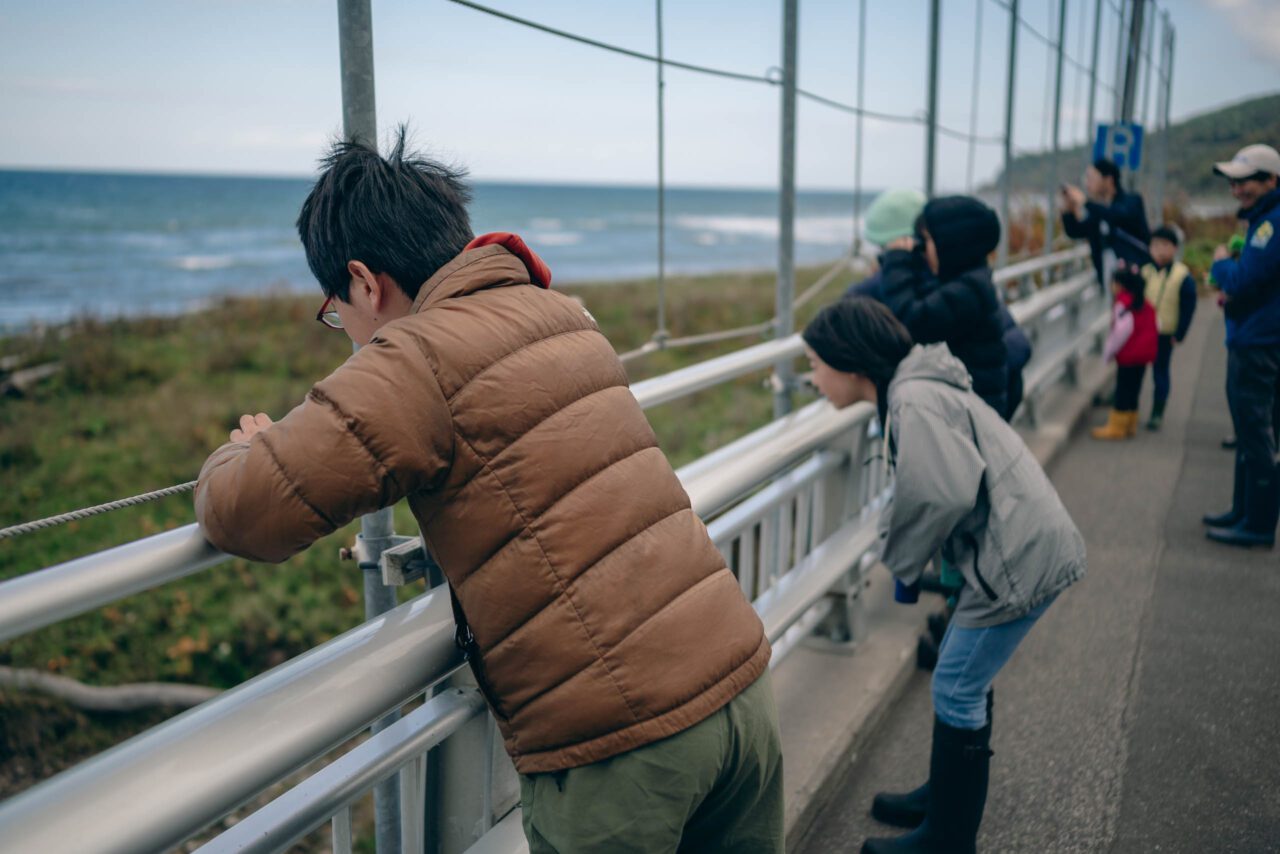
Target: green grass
x=141 y=403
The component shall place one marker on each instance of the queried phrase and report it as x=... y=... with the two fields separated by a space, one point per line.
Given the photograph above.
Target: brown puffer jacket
x=604 y=616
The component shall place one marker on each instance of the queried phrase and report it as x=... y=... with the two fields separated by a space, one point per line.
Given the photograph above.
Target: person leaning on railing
x=890 y=224
x=939 y=285
x=627 y=672
x=965 y=483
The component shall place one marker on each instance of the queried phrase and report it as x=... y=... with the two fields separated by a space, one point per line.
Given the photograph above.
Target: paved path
x=1143 y=713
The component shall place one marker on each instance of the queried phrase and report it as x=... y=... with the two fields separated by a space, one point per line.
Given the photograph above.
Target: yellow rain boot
x=1131 y=425
x=1115 y=428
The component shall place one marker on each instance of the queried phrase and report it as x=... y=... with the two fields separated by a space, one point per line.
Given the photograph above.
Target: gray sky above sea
x=252 y=87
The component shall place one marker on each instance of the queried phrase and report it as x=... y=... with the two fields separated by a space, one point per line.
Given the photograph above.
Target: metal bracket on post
x=845 y=624
x=408 y=561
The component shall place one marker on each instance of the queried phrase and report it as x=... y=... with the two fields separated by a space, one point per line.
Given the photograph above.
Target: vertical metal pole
x=1169 y=36
x=1050 y=222
x=1117 y=109
x=1081 y=74
x=1149 y=24
x=857 y=163
x=931 y=128
x=355 y=51
x=1091 y=131
x=1007 y=178
x=1147 y=61
x=661 y=335
x=783 y=373
x=973 y=99
x=377 y=530
x=1132 y=56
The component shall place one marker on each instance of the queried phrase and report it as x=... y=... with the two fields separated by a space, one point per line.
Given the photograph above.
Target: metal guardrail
x=792 y=506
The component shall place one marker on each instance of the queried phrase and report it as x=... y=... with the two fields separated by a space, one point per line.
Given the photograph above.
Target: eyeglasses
x=328 y=315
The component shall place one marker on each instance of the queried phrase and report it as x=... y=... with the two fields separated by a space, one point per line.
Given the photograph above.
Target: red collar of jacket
x=539 y=272
x=489 y=261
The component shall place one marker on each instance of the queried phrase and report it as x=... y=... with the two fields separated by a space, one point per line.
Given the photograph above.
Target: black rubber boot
x=909 y=809
x=901 y=809
x=959 y=769
x=1157 y=415
x=1235 y=515
x=937 y=624
x=1262 y=508
x=926 y=653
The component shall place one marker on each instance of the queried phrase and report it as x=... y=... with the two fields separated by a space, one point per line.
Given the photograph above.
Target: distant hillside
x=1194 y=145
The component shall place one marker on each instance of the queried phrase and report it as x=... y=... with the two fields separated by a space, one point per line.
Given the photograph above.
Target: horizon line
x=531 y=182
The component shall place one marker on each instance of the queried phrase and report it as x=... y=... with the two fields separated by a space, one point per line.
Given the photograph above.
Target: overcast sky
x=251 y=86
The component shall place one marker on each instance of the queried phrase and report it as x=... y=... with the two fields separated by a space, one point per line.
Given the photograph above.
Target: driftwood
x=18 y=383
x=116 y=698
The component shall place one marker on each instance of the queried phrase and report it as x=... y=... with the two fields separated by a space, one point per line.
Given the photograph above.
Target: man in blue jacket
x=1251 y=285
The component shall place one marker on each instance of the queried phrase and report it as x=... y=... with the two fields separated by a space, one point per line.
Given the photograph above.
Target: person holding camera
x=1250 y=287
x=965 y=484
x=1112 y=220
x=938 y=284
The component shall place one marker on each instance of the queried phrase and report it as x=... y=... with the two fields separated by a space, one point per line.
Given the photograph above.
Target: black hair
x=860 y=335
x=1166 y=232
x=1108 y=169
x=402 y=215
x=1130 y=279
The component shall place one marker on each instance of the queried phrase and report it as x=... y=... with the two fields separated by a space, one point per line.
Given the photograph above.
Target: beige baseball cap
x=1250 y=160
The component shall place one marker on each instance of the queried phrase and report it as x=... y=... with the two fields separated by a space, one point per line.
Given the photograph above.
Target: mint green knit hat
x=892 y=215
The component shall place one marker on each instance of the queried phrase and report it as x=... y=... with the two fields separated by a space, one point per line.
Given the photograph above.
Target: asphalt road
x=1143 y=713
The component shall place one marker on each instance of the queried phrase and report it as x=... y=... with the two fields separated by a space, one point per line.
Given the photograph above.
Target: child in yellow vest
x=1171 y=290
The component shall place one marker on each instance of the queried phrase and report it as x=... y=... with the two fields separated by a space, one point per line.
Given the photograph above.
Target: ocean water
x=106 y=245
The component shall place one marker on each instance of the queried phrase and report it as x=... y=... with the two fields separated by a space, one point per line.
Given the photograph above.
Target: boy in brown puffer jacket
x=614 y=646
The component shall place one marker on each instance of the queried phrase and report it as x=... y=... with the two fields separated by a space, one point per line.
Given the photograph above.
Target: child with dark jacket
x=1132 y=343
x=942 y=291
x=1171 y=290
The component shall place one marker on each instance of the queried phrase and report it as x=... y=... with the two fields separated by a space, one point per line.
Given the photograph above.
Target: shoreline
x=37 y=328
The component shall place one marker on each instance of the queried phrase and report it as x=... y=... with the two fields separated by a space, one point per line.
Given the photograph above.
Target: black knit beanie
x=965 y=232
x=859 y=336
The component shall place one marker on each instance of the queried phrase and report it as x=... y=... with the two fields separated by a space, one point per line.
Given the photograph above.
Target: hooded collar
x=495 y=260
x=932 y=362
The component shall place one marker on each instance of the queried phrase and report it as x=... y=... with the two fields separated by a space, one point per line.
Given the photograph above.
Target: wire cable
x=76 y=515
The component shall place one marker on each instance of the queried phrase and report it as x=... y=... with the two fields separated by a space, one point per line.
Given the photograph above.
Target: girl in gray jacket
x=965 y=484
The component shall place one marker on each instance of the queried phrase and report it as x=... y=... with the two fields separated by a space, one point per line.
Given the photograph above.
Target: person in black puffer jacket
x=960 y=306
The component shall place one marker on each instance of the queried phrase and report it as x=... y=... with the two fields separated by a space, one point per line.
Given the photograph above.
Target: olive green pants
x=717 y=786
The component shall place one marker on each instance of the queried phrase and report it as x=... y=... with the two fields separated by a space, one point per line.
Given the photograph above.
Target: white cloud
x=1256 y=22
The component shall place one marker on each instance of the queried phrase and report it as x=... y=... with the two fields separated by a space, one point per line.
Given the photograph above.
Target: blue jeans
x=967 y=665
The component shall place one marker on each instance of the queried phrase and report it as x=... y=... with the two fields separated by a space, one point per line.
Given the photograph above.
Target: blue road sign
x=1119 y=143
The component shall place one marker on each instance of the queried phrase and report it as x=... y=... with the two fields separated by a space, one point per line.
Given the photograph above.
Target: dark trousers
x=1160 y=370
x=1128 y=387
x=1253 y=374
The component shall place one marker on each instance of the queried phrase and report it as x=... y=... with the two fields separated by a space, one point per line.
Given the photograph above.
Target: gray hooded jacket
x=965 y=483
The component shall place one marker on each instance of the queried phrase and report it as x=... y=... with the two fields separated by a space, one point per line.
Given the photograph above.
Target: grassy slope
x=139 y=406
x=1194 y=145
